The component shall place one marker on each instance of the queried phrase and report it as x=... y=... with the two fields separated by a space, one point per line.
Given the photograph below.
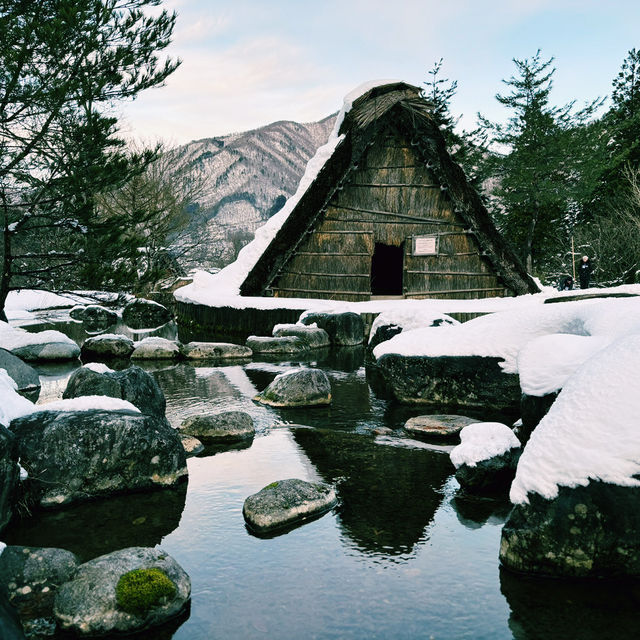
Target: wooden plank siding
x=391 y=197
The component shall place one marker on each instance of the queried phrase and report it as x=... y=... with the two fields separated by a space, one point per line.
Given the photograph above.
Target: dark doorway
x=386 y=270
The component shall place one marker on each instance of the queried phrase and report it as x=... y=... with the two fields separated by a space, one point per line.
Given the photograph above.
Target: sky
x=247 y=63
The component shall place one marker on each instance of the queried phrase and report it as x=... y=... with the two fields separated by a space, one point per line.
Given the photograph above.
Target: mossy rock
x=141 y=589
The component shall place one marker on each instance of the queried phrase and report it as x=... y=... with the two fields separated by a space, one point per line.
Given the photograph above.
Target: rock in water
x=45 y=345
x=78 y=455
x=284 y=344
x=155 y=348
x=584 y=532
x=443 y=427
x=25 y=377
x=286 y=502
x=230 y=426
x=9 y=474
x=487 y=457
x=215 y=350
x=346 y=329
x=133 y=384
x=123 y=592
x=30 y=577
x=452 y=381
x=313 y=337
x=297 y=388
x=145 y=314
x=108 y=345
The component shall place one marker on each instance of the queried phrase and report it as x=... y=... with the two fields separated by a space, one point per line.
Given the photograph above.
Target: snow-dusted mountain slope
x=245 y=178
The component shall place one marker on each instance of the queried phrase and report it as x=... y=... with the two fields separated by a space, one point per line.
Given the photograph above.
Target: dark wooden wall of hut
x=390 y=198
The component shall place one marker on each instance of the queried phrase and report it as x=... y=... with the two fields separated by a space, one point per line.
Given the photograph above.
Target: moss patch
x=139 y=590
x=273 y=485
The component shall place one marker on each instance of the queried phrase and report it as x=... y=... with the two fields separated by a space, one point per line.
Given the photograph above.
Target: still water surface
x=402 y=556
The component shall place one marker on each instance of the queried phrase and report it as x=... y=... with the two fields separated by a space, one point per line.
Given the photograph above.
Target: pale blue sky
x=247 y=63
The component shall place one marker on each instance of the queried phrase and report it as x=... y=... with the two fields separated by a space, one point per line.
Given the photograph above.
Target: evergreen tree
x=465 y=147
x=539 y=156
x=63 y=63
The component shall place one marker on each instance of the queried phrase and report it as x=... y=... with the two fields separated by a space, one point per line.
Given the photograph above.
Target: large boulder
x=451 y=381
x=29 y=579
x=229 y=426
x=123 y=592
x=44 y=345
x=585 y=531
x=133 y=384
x=155 y=348
x=276 y=345
x=215 y=351
x=145 y=314
x=9 y=474
x=297 y=388
x=107 y=345
x=313 y=337
x=72 y=456
x=346 y=329
x=287 y=502
x=438 y=427
x=26 y=378
x=486 y=458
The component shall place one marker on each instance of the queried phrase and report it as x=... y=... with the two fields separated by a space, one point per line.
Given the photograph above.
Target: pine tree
x=63 y=64
x=536 y=162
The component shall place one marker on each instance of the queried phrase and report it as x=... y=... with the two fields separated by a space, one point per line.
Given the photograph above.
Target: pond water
x=402 y=556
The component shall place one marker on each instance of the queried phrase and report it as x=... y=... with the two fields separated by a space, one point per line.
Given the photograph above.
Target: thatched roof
x=402 y=106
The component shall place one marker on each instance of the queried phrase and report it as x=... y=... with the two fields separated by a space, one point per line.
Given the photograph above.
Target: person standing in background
x=584 y=271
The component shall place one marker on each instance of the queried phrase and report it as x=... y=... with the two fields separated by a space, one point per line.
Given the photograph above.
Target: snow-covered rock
x=45 y=345
x=155 y=348
x=486 y=458
x=576 y=490
x=215 y=351
x=133 y=385
x=313 y=336
x=345 y=329
x=26 y=378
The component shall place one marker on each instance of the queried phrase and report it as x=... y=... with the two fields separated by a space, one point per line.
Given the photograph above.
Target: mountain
x=242 y=179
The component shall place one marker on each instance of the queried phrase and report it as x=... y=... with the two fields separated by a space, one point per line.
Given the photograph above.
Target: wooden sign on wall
x=425 y=245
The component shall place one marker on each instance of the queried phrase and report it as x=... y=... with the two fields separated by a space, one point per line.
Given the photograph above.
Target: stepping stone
x=438 y=426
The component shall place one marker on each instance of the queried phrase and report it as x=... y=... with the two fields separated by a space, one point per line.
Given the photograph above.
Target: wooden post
x=573 y=260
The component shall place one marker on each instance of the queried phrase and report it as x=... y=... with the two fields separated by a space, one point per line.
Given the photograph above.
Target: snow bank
x=13 y=338
x=481 y=441
x=87 y=403
x=546 y=363
x=407 y=319
x=12 y=404
x=34 y=299
x=504 y=334
x=591 y=431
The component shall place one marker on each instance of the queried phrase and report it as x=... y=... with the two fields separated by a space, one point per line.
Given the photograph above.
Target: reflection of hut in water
x=389 y=214
x=388 y=495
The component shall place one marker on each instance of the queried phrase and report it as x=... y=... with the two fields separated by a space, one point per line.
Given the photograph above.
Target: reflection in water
x=388 y=495
x=581 y=610
x=474 y=512
x=94 y=528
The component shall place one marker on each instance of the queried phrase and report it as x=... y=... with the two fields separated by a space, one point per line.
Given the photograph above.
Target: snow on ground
x=546 y=363
x=504 y=334
x=34 y=299
x=481 y=441
x=591 y=431
x=13 y=338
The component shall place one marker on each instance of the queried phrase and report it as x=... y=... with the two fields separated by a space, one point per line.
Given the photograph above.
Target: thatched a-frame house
x=389 y=214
